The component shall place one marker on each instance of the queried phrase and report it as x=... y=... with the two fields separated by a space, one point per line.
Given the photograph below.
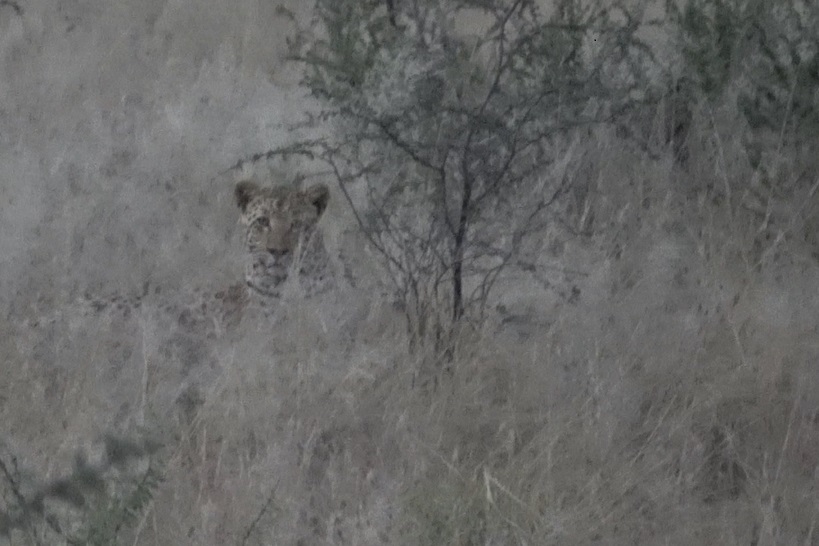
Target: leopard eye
x=262 y=222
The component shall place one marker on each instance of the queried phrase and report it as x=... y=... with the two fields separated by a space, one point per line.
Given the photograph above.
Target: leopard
x=284 y=257
x=179 y=345
x=184 y=338
x=282 y=239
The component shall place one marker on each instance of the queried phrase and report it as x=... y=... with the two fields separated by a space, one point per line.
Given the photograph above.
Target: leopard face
x=281 y=238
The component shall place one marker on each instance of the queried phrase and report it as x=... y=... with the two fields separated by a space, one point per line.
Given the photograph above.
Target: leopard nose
x=278 y=252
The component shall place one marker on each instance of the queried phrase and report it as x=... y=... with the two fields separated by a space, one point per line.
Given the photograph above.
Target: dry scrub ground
x=651 y=380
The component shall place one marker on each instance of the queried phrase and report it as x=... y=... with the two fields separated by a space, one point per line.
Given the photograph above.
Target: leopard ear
x=318 y=196
x=244 y=192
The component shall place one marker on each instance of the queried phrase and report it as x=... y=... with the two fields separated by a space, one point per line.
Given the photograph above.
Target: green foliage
x=463 y=507
x=339 y=61
x=93 y=504
x=711 y=32
x=783 y=72
x=770 y=50
x=443 y=512
x=108 y=517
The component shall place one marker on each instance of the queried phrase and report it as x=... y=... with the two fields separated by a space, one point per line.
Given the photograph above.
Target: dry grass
x=673 y=401
x=670 y=398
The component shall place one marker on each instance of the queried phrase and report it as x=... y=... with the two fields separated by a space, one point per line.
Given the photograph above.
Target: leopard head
x=280 y=224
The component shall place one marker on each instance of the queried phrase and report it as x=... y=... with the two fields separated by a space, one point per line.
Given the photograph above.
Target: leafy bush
x=769 y=49
x=92 y=505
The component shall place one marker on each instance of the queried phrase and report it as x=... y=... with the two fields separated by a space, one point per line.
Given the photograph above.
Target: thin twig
x=262 y=511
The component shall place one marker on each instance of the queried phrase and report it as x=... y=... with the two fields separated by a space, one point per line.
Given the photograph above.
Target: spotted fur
x=281 y=239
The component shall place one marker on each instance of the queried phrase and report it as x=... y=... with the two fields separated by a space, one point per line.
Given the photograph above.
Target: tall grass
x=647 y=377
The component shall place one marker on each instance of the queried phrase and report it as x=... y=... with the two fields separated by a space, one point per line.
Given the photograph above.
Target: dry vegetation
x=646 y=375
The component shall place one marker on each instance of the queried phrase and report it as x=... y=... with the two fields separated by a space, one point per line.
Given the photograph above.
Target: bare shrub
x=440 y=138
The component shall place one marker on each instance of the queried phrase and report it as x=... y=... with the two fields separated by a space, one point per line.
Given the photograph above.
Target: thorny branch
x=454 y=185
